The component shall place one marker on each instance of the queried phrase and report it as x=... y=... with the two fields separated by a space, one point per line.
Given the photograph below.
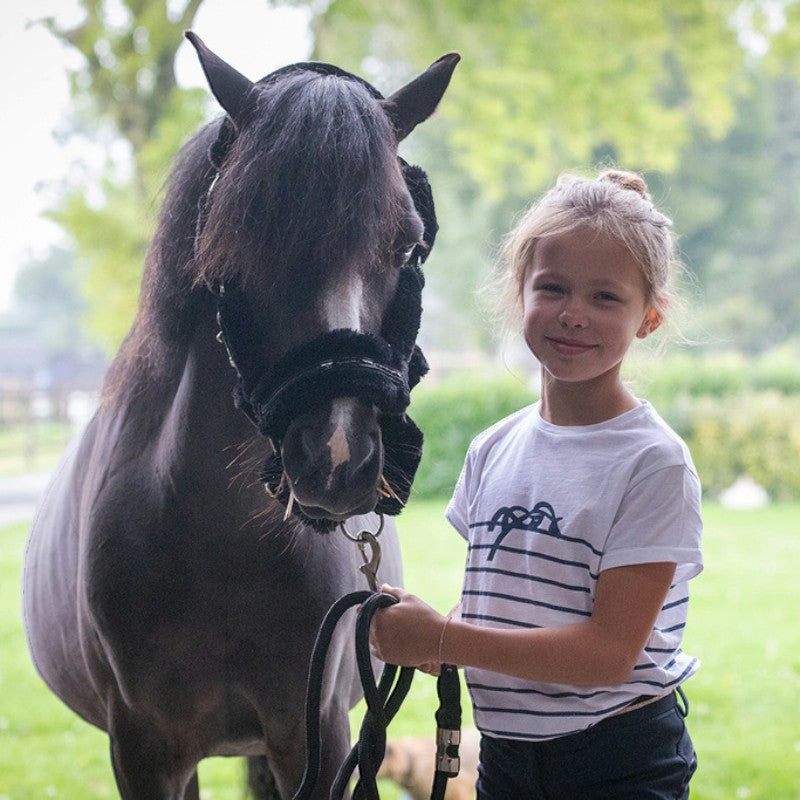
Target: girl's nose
x=572 y=315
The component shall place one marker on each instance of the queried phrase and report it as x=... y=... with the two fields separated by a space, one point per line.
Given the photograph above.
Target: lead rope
x=383 y=699
x=448 y=729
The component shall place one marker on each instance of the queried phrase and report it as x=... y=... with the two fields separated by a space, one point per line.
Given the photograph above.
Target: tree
x=547 y=85
x=126 y=90
x=48 y=300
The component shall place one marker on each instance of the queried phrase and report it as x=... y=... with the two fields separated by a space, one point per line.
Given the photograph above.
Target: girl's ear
x=651 y=321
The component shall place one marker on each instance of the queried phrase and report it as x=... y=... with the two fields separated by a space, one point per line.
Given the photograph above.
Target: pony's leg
x=335 y=746
x=287 y=760
x=144 y=769
x=260 y=780
x=192 y=790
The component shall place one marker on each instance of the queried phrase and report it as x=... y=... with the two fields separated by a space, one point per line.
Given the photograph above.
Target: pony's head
x=312 y=232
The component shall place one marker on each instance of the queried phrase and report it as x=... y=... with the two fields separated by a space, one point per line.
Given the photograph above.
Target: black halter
x=380 y=369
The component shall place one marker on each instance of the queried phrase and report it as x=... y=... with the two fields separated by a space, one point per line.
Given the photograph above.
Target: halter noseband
x=379 y=369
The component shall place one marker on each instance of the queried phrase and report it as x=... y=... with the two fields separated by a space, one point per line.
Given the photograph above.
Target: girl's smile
x=568 y=347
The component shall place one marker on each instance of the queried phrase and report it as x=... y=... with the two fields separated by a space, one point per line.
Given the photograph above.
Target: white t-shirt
x=546 y=508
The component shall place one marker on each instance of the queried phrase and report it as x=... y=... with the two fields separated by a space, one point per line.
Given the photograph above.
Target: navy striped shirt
x=544 y=510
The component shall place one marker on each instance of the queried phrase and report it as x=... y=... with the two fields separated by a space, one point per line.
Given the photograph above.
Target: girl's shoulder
x=654 y=444
x=523 y=418
x=654 y=425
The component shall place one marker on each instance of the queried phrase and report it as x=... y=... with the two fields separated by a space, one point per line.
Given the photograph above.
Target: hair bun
x=627 y=180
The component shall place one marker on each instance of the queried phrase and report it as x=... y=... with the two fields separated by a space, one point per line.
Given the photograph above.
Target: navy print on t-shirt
x=540 y=519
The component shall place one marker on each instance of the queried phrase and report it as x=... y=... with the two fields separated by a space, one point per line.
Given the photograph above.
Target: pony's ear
x=230 y=87
x=417 y=100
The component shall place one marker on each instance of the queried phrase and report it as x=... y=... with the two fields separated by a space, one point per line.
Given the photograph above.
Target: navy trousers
x=645 y=754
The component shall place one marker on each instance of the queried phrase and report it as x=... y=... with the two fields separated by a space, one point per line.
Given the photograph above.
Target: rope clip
x=372 y=560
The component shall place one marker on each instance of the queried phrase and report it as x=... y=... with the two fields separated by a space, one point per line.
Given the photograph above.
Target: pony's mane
x=310 y=180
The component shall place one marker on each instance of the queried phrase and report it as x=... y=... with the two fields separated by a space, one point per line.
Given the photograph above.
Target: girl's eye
x=551 y=288
x=607 y=297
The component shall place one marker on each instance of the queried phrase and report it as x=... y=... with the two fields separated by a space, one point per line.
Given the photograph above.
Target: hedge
x=451 y=413
x=731 y=425
x=755 y=434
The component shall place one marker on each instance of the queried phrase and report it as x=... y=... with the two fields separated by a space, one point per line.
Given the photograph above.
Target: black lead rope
x=383 y=700
x=448 y=729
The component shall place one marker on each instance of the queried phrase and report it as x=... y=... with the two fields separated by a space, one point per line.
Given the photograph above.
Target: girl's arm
x=598 y=652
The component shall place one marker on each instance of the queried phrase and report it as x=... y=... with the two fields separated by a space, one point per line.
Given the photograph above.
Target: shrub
x=731 y=426
x=755 y=434
x=451 y=413
x=717 y=375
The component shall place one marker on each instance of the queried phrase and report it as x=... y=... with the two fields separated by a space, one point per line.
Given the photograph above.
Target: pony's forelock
x=268 y=207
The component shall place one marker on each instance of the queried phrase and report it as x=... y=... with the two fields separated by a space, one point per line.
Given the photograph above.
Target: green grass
x=36 y=446
x=744 y=701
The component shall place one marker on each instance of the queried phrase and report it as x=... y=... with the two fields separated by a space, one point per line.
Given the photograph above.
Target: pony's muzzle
x=333 y=459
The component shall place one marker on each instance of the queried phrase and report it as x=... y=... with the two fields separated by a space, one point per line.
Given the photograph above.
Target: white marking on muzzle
x=341 y=415
x=338 y=444
x=342 y=306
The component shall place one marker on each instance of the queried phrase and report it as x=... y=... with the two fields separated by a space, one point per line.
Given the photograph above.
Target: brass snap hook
x=370 y=551
x=372 y=560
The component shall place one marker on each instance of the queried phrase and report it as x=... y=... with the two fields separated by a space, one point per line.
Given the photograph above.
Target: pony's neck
x=170 y=306
x=201 y=429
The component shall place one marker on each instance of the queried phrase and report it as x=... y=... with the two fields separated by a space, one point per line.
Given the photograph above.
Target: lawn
x=744 y=701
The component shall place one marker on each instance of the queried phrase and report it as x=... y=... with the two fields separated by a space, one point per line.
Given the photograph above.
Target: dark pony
x=169 y=599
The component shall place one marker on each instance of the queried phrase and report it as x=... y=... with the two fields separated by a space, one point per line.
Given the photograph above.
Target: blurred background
x=700 y=96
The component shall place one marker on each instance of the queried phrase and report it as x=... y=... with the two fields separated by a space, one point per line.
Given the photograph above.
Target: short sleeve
x=456 y=512
x=659 y=519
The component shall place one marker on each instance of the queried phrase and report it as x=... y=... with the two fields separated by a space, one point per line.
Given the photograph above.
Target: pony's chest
x=149 y=572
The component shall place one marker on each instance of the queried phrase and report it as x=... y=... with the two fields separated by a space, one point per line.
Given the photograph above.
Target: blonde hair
x=616 y=203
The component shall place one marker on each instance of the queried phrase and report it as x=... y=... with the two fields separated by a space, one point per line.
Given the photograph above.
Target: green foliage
x=755 y=434
x=111 y=241
x=784 y=54
x=735 y=204
x=547 y=85
x=451 y=413
x=670 y=89
x=112 y=236
x=128 y=49
x=720 y=375
x=126 y=91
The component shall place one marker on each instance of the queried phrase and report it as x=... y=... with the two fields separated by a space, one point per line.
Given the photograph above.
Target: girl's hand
x=407 y=633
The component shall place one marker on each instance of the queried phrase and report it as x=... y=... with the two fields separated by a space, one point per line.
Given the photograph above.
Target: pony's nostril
x=308 y=442
x=370 y=456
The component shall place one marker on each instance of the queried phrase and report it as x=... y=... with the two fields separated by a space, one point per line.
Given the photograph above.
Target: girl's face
x=584 y=301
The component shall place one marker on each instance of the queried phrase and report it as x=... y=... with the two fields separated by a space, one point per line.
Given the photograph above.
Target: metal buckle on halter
x=219 y=291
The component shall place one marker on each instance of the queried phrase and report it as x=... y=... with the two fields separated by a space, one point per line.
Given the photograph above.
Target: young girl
x=582 y=516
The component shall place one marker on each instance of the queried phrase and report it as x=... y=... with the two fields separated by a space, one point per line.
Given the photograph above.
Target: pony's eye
x=404 y=255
